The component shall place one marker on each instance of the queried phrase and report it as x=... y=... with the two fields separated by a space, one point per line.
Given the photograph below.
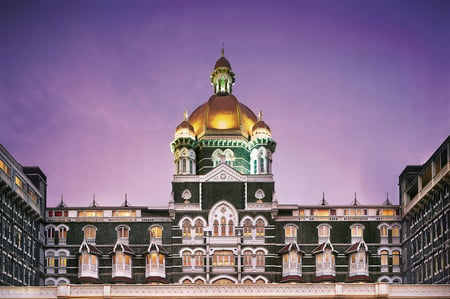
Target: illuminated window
x=260 y=228
x=290 y=234
x=384 y=260
x=357 y=232
x=20 y=183
x=199 y=260
x=32 y=195
x=121 y=264
x=230 y=228
x=260 y=258
x=387 y=212
x=62 y=260
x=155 y=264
x=90 y=213
x=90 y=234
x=395 y=231
x=122 y=213
x=248 y=228
x=187 y=258
x=156 y=234
x=62 y=235
x=186 y=228
x=198 y=228
x=248 y=258
x=223 y=258
x=5 y=168
x=384 y=231
x=322 y=212
x=323 y=232
x=50 y=260
x=123 y=233
x=396 y=258
x=216 y=227
x=88 y=265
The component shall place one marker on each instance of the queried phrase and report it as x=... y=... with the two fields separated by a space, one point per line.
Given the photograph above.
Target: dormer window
x=290 y=233
x=156 y=234
x=323 y=232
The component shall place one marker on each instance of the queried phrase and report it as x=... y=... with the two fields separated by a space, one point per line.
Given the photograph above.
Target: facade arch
x=223 y=218
x=224 y=278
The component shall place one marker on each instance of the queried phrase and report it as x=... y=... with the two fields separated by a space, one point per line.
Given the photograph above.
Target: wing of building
x=224 y=225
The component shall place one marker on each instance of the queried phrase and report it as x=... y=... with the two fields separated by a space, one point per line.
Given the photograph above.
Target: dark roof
x=325 y=278
x=122 y=279
x=322 y=246
x=222 y=62
x=355 y=247
x=288 y=247
x=156 y=279
x=158 y=248
x=125 y=248
x=358 y=278
x=90 y=248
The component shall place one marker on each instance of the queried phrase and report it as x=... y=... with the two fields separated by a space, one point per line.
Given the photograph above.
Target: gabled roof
x=158 y=248
x=289 y=247
x=89 y=248
x=322 y=246
x=123 y=247
x=355 y=247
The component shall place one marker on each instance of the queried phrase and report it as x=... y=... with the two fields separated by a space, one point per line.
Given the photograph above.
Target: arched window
x=230 y=228
x=223 y=226
x=88 y=265
x=395 y=261
x=199 y=260
x=90 y=234
x=260 y=258
x=187 y=228
x=357 y=232
x=290 y=234
x=121 y=264
x=384 y=255
x=156 y=234
x=187 y=258
x=123 y=234
x=248 y=228
x=323 y=232
x=198 y=228
x=155 y=264
x=62 y=235
x=260 y=228
x=50 y=235
x=248 y=258
x=223 y=258
x=261 y=165
x=216 y=227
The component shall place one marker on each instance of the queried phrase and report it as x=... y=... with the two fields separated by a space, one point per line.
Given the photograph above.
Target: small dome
x=261 y=129
x=222 y=62
x=185 y=130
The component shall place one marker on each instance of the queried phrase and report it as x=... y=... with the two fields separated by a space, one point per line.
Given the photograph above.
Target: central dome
x=223 y=113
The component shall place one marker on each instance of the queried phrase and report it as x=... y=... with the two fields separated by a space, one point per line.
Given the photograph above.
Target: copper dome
x=222 y=62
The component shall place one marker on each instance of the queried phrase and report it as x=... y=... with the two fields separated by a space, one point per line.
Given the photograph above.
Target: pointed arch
x=224 y=214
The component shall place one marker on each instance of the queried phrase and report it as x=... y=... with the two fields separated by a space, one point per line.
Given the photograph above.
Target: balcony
x=213 y=240
x=292 y=269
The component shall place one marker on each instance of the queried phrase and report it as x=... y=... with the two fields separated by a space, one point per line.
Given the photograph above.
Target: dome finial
x=185 y=115
x=260 y=115
x=223 y=50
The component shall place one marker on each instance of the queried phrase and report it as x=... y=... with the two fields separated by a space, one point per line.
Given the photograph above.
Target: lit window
x=395 y=231
x=387 y=212
x=62 y=235
x=186 y=228
x=199 y=261
x=91 y=213
x=384 y=231
x=230 y=228
x=260 y=228
x=396 y=258
x=216 y=227
x=122 y=213
x=156 y=234
x=5 y=168
x=88 y=265
x=20 y=183
x=199 y=228
x=324 y=232
x=121 y=264
x=155 y=264
x=187 y=259
x=50 y=260
x=90 y=234
x=123 y=233
x=384 y=258
x=248 y=228
x=260 y=258
x=356 y=232
x=223 y=258
x=248 y=258
x=290 y=231
x=62 y=261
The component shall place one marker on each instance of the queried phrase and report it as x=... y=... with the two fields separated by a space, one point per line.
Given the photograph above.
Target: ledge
x=271 y=290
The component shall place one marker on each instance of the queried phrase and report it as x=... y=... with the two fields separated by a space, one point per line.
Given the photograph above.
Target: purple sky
x=91 y=91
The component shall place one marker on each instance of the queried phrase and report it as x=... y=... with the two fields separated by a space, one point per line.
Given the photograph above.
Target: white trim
x=222 y=277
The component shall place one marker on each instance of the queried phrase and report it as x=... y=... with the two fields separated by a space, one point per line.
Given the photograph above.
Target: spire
x=125 y=203
x=185 y=115
x=62 y=204
x=323 y=202
x=223 y=50
x=355 y=201
x=387 y=202
x=94 y=203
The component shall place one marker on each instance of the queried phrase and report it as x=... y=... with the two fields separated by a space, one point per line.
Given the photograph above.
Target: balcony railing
x=292 y=269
